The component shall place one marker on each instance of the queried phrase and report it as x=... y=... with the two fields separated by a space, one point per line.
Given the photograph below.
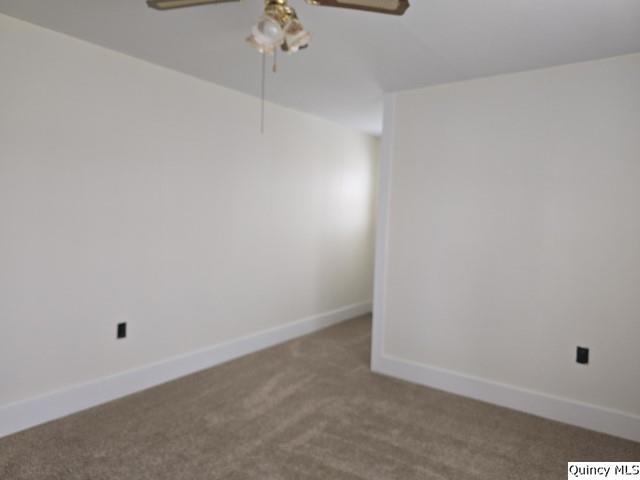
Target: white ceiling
x=354 y=56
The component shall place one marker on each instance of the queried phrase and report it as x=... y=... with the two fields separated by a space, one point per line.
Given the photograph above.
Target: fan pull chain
x=275 y=60
x=262 y=91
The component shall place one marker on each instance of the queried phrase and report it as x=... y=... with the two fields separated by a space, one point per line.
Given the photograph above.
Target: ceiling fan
x=279 y=26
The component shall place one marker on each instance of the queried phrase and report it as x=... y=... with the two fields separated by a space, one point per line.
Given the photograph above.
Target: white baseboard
x=22 y=415
x=584 y=415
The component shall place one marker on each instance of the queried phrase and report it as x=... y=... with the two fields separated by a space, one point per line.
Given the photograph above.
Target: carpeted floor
x=308 y=409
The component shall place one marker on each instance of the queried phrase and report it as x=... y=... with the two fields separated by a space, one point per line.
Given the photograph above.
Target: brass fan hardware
x=279 y=26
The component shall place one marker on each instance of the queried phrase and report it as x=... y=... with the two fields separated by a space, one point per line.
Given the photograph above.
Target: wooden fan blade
x=391 y=7
x=168 y=4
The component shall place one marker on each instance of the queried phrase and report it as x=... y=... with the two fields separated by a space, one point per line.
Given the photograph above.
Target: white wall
x=514 y=236
x=133 y=193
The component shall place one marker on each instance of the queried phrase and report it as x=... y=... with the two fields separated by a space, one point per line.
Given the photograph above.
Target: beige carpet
x=309 y=409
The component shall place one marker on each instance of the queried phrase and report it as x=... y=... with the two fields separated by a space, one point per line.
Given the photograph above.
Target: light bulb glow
x=279 y=27
x=269 y=28
x=267 y=34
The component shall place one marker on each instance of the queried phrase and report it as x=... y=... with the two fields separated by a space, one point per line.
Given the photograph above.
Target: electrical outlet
x=122 y=330
x=582 y=356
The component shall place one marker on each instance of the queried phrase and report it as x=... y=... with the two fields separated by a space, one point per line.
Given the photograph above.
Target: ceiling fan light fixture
x=295 y=36
x=260 y=47
x=268 y=30
x=266 y=35
x=279 y=27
